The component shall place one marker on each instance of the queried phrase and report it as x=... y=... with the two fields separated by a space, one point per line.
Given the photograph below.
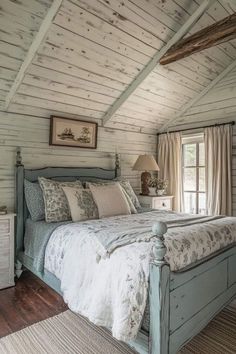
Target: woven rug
x=68 y=333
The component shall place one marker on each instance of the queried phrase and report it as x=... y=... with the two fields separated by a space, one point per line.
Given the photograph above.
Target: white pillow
x=124 y=190
x=110 y=200
x=81 y=204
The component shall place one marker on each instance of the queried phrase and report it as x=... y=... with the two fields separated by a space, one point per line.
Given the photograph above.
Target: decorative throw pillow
x=105 y=182
x=81 y=203
x=110 y=200
x=56 y=205
x=34 y=200
x=129 y=190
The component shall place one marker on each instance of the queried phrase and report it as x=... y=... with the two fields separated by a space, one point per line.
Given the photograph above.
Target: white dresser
x=7 y=250
x=164 y=202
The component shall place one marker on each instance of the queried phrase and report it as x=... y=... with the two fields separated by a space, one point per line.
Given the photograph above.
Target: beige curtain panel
x=218 y=147
x=169 y=162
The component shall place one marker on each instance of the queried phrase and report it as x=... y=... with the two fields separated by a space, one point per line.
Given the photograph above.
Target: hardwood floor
x=28 y=302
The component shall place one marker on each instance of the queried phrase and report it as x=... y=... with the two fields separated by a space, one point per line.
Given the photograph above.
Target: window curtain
x=218 y=150
x=169 y=161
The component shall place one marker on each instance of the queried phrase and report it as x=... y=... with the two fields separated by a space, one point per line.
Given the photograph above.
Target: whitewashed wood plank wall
x=32 y=134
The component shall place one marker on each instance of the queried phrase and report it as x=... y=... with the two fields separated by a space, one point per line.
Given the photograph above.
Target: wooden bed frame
x=181 y=303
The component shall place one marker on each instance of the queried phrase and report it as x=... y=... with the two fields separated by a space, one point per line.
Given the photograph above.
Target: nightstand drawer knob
x=163 y=204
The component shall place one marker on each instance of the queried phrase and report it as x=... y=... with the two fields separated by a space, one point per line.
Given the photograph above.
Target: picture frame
x=73 y=133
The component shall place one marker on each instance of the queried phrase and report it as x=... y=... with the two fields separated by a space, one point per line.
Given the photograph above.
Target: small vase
x=152 y=190
x=160 y=191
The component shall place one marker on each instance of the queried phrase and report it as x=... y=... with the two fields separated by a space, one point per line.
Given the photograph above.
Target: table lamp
x=145 y=163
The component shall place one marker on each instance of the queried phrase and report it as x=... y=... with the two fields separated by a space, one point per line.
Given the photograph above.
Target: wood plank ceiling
x=95 y=48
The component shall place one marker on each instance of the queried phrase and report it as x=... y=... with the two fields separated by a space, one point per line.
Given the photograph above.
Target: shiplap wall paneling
x=218 y=105
x=32 y=134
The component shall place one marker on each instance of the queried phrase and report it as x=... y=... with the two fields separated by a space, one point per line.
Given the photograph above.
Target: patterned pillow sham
x=81 y=203
x=34 y=200
x=127 y=189
x=56 y=205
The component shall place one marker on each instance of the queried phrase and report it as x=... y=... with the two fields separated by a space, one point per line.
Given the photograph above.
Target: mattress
x=37 y=234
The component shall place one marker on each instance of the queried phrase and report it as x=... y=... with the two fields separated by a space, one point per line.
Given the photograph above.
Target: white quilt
x=112 y=292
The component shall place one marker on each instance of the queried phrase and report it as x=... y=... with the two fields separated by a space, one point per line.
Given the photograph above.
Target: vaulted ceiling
x=94 y=49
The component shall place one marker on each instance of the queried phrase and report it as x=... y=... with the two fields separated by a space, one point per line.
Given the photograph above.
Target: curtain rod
x=208 y=126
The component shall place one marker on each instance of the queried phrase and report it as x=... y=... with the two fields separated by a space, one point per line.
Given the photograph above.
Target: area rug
x=68 y=333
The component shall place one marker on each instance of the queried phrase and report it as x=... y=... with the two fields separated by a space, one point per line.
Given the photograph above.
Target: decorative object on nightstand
x=164 y=202
x=7 y=250
x=157 y=186
x=145 y=163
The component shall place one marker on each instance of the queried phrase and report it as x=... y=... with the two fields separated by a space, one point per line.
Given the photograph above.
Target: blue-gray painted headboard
x=57 y=173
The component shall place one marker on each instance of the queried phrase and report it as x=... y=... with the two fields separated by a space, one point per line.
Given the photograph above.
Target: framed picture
x=72 y=132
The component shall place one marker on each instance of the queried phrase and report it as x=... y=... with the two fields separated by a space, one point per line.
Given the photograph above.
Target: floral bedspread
x=112 y=291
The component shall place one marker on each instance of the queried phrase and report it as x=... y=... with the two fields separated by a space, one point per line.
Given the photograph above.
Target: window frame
x=197 y=141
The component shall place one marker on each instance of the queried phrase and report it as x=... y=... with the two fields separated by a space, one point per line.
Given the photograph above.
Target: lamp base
x=145 y=176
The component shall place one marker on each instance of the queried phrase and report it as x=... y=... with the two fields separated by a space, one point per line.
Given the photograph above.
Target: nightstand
x=164 y=202
x=7 y=250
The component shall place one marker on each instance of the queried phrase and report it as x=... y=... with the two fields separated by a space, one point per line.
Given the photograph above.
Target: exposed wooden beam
x=198 y=97
x=33 y=49
x=155 y=59
x=210 y=36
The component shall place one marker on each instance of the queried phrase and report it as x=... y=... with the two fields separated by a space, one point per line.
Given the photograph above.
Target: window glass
x=194 y=176
x=202 y=179
x=190 y=202
x=202 y=203
x=190 y=155
x=190 y=179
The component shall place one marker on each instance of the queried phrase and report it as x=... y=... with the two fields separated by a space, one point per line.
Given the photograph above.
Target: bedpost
x=19 y=202
x=159 y=294
x=117 y=165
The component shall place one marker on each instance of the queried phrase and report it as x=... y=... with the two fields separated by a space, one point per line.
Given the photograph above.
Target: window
x=194 y=175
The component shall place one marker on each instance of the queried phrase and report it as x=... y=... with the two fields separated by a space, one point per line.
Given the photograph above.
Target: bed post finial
x=159 y=248
x=117 y=165
x=18 y=157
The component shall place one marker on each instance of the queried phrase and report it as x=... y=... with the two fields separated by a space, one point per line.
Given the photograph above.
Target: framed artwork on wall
x=73 y=133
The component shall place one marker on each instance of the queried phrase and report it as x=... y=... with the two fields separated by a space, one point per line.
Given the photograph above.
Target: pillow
x=110 y=200
x=130 y=192
x=81 y=203
x=56 y=205
x=106 y=182
x=34 y=200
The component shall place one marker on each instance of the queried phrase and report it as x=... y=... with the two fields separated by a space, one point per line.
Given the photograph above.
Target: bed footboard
x=183 y=303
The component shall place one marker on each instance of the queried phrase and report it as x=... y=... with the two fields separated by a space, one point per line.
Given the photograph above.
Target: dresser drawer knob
x=163 y=204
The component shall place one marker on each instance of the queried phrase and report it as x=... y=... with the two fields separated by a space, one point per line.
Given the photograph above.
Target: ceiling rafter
x=45 y=25
x=220 y=32
x=156 y=58
x=198 y=97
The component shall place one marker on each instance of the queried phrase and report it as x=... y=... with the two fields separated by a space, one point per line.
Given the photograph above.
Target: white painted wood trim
x=199 y=96
x=33 y=49
x=7 y=259
x=155 y=59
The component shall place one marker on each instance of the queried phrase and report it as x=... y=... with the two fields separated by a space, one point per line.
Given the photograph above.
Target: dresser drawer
x=4 y=226
x=162 y=203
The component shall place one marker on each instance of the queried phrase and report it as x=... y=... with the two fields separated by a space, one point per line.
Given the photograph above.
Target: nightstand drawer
x=4 y=226
x=162 y=203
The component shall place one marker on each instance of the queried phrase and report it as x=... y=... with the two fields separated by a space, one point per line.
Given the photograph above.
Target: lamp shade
x=146 y=163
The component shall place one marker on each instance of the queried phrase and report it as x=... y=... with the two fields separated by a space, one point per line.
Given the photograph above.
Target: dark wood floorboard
x=30 y=301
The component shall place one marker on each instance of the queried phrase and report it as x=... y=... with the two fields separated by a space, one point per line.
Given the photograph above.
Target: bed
x=181 y=303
